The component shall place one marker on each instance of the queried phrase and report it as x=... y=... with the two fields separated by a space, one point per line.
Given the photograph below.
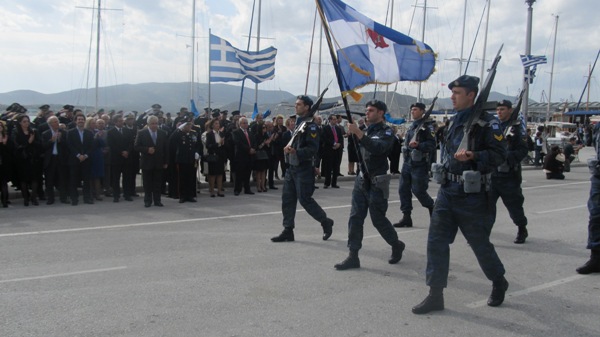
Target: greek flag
x=231 y=64
x=371 y=53
x=532 y=60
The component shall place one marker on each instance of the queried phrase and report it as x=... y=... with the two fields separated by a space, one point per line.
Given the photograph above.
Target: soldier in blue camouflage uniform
x=455 y=208
x=506 y=178
x=593 y=264
x=414 y=177
x=299 y=184
x=370 y=193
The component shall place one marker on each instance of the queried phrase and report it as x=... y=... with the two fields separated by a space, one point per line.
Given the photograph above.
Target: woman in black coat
x=28 y=160
x=6 y=160
x=216 y=155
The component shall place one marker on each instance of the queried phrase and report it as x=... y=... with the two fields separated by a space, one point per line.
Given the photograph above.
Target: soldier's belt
x=458 y=178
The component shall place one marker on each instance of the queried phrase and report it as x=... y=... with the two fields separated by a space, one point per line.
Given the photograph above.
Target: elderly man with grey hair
x=152 y=145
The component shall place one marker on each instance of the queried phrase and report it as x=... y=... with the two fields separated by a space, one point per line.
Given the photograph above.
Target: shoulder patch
x=495 y=126
x=388 y=132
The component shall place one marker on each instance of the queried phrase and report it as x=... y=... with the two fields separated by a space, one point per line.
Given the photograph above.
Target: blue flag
x=267 y=113
x=371 y=53
x=194 y=109
x=255 y=112
x=231 y=64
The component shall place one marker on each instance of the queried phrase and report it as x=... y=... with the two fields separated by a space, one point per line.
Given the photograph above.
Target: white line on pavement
x=63 y=274
x=531 y=290
x=561 y=209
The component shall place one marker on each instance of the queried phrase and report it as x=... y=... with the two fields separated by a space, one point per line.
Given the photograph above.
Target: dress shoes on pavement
x=498 y=291
x=351 y=262
x=236 y=193
x=128 y=198
x=405 y=222
x=147 y=204
x=327 y=228
x=159 y=204
x=181 y=201
x=286 y=235
x=521 y=235
x=397 y=250
x=273 y=188
x=429 y=304
x=335 y=186
x=249 y=192
x=592 y=265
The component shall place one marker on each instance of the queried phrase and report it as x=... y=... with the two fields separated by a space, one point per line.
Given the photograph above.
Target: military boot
x=327 y=228
x=350 y=262
x=406 y=220
x=592 y=265
x=498 y=291
x=397 y=249
x=286 y=235
x=521 y=235
x=433 y=302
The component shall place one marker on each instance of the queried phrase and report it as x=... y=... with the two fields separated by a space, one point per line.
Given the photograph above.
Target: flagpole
x=552 y=71
x=193 y=51
x=209 y=36
x=257 y=46
x=525 y=108
x=248 y=49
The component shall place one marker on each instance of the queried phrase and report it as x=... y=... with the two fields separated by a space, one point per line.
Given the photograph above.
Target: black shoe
x=498 y=290
x=405 y=222
x=49 y=202
x=191 y=200
x=249 y=192
x=159 y=204
x=286 y=235
x=89 y=202
x=181 y=201
x=273 y=188
x=429 y=304
x=335 y=186
x=34 y=202
x=326 y=186
x=236 y=193
x=591 y=266
x=351 y=262
x=316 y=187
x=74 y=203
x=521 y=235
x=147 y=204
x=327 y=228
x=397 y=250
x=128 y=198
x=116 y=200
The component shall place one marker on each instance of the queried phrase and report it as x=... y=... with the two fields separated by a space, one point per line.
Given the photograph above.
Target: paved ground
x=209 y=269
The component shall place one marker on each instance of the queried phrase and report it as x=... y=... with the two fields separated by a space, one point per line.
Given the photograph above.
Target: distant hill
x=172 y=96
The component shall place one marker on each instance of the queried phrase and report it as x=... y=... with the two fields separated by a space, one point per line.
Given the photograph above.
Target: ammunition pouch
x=416 y=155
x=438 y=173
x=382 y=182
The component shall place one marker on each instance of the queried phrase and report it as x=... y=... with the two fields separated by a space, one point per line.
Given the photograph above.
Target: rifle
x=479 y=103
x=512 y=121
x=424 y=118
x=315 y=107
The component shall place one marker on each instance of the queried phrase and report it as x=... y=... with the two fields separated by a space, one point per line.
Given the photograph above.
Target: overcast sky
x=46 y=43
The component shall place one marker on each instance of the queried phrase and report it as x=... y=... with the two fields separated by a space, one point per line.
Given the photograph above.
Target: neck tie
x=55 y=147
x=247 y=138
x=81 y=135
x=335 y=137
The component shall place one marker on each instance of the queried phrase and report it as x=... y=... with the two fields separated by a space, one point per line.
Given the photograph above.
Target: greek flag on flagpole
x=532 y=60
x=228 y=63
x=369 y=52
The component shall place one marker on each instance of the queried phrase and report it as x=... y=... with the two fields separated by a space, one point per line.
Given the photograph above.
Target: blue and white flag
x=529 y=73
x=371 y=53
x=231 y=64
x=532 y=60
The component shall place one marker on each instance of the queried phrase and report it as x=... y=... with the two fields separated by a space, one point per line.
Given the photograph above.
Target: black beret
x=505 y=103
x=465 y=81
x=418 y=105
x=377 y=104
x=156 y=106
x=45 y=107
x=235 y=112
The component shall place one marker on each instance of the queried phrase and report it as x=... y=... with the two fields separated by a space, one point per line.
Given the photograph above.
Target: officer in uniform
x=299 y=184
x=187 y=150
x=506 y=178
x=593 y=264
x=371 y=191
x=414 y=177
x=463 y=201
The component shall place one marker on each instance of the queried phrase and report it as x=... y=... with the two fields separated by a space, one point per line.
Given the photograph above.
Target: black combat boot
x=350 y=262
x=521 y=235
x=406 y=220
x=327 y=228
x=397 y=249
x=433 y=302
x=592 y=265
x=286 y=235
x=498 y=290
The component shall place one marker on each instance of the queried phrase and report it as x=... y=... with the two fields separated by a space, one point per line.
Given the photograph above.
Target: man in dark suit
x=133 y=160
x=153 y=147
x=80 y=142
x=333 y=143
x=120 y=148
x=56 y=152
x=242 y=159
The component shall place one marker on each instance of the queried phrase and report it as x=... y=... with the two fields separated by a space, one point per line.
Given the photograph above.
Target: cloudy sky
x=46 y=44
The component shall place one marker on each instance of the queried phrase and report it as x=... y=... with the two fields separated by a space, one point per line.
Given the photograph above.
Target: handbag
x=212 y=158
x=262 y=155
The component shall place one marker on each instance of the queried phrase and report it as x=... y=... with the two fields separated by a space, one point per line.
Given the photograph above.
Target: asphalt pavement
x=209 y=269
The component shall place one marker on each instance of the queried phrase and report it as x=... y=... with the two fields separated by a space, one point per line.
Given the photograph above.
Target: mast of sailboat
x=588 y=82
x=312 y=40
x=552 y=69
x=209 y=67
x=247 y=49
x=462 y=41
x=193 y=46
x=487 y=24
x=98 y=55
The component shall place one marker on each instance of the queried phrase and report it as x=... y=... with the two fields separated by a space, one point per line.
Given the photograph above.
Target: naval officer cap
x=215 y=113
x=235 y=113
x=505 y=103
x=156 y=106
x=44 y=107
x=465 y=81
x=418 y=105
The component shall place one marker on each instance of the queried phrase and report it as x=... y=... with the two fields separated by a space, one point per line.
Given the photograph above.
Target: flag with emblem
x=370 y=53
x=228 y=63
